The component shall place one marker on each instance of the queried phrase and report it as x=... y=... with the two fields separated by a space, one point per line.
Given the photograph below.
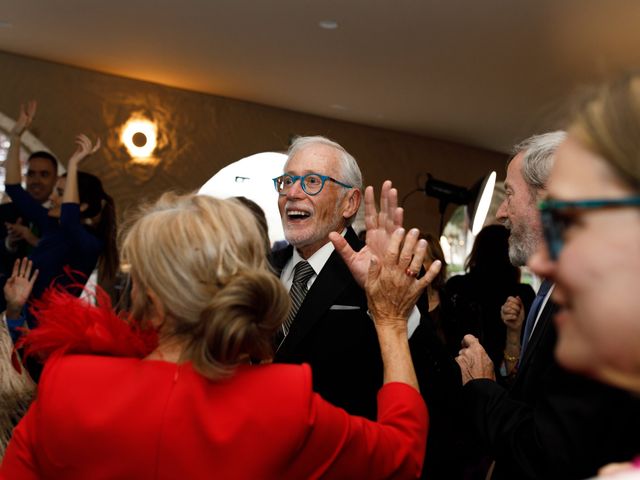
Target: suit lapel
x=539 y=332
x=327 y=287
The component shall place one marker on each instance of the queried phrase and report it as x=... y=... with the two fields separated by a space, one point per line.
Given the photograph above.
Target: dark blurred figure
x=473 y=301
x=430 y=301
x=437 y=379
x=452 y=451
x=260 y=217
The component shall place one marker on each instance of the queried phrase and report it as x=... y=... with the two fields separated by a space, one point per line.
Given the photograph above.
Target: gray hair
x=538 y=158
x=351 y=173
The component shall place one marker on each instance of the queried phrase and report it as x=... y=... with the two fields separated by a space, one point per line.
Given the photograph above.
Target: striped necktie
x=301 y=275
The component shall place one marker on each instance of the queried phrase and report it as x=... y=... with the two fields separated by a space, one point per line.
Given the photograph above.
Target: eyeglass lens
x=553 y=226
x=311 y=183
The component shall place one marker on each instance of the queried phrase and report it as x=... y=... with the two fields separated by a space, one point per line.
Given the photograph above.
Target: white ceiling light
x=328 y=24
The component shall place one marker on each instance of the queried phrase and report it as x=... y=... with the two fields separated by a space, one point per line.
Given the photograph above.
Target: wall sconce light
x=477 y=199
x=140 y=137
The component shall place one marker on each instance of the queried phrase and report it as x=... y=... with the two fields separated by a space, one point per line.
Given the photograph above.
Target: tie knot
x=302 y=272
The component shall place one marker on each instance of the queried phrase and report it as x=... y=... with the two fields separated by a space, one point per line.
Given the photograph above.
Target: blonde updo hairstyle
x=204 y=260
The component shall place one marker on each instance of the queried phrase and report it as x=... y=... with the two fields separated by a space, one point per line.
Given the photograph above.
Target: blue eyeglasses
x=558 y=215
x=312 y=183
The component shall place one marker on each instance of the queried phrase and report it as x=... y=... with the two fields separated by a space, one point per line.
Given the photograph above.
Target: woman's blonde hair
x=608 y=122
x=205 y=261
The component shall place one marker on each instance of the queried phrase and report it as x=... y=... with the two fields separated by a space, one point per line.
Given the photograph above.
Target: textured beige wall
x=203 y=133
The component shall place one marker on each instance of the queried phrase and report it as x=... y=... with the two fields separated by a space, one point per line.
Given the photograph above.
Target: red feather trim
x=68 y=324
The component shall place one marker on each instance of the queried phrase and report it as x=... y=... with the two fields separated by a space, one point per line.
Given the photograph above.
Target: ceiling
x=481 y=72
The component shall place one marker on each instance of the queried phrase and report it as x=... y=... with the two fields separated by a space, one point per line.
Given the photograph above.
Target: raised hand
x=392 y=286
x=19 y=286
x=85 y=148
x=380 y=227
x=27 y=113
x=512 y=313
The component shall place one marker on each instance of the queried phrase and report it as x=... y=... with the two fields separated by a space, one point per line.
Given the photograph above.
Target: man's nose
x=295 y=190
x=501 y=213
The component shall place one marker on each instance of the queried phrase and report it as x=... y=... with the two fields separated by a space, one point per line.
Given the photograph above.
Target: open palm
x=19 y=285
x=380 y=227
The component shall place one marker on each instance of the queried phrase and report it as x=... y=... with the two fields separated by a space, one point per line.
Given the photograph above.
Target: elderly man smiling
x=329 y=328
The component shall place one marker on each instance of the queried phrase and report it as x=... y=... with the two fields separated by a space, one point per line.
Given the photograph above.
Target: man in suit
x=320 y=193
x=41 y=178
x=551 y=423
x=18 y=236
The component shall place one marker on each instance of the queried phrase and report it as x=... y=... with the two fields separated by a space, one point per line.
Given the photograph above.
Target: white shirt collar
x=317 y=262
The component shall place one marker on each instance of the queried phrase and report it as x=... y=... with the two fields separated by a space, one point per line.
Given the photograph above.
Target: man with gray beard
x=527 y=173
x=551 y=423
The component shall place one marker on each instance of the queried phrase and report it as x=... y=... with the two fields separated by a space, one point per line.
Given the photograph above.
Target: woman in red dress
x=182 y=388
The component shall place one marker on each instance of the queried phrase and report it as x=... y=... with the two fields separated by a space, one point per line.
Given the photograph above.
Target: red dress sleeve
x=338 y=445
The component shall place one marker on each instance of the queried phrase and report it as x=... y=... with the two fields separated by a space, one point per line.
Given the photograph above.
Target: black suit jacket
x=8 y=213
x=552 y=423
x=333 y=333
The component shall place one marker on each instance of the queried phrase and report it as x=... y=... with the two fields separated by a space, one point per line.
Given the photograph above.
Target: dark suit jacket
x=8 y=213
x=552 y=423
x=340 y=344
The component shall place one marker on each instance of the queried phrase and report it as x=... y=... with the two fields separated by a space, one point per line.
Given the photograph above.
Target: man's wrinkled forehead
x=314 y=158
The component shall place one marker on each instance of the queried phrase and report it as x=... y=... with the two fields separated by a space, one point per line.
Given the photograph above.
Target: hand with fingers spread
x=474 y=361
x=19 y=286
x=392 y=285
x=380 y=226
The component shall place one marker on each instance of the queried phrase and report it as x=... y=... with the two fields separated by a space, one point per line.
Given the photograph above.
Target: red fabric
x=104 y=417
x=68 y=324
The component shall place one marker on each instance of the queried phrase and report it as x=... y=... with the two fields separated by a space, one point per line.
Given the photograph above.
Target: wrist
x=387 y=321
x=391 y=327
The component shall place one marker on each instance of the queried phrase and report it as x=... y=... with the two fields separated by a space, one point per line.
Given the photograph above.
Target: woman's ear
x=83 y=206
x=157 y=314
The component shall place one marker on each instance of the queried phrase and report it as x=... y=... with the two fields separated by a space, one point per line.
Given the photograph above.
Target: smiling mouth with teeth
x=297 y=215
